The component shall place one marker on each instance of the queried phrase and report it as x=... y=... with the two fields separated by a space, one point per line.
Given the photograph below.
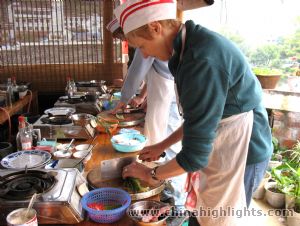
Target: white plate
x=60 y=111
x=21 y=159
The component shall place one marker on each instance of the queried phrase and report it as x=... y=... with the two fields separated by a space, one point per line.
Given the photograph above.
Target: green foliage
x=275 y=55
x=265 y=71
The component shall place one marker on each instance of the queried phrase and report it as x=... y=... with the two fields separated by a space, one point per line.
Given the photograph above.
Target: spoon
x=30 y=204
x=68 y=147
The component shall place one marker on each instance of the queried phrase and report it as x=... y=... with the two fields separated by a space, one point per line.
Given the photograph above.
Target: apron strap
x=183 y=37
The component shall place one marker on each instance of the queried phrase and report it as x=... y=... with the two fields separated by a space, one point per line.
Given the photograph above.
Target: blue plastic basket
x=106 y=196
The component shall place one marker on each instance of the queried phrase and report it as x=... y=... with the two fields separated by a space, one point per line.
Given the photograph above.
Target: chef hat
x=113 y=25
x=134 y=13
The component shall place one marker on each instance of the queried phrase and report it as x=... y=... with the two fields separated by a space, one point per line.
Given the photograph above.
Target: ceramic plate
x=60 y=111
x=32 y=158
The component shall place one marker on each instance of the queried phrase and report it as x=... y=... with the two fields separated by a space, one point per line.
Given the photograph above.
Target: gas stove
x=58 y=201
x=80 y=104
x=61 y=127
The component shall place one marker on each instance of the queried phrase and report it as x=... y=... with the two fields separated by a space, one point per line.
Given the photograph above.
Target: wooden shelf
x=20 y=105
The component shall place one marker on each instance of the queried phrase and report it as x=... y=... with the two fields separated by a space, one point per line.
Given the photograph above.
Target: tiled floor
x=266 y=220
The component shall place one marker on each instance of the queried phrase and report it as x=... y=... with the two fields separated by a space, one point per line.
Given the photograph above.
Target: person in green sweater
x=226 y=138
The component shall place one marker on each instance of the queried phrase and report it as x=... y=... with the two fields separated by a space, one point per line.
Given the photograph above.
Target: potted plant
x=276 y=158
x=293 y=219
x=267 y=77
x=276 y=190
x=260 y=191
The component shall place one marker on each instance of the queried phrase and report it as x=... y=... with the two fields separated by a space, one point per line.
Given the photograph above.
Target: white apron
x=160 y=92
x=220 y=186
x=162 y=119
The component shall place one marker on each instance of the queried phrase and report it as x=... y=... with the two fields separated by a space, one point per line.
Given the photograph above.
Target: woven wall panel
x=52 y=78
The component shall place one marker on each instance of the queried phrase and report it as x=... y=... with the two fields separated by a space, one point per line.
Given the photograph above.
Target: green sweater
x=214 y=81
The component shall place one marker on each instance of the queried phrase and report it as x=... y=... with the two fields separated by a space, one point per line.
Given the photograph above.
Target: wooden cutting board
x=95 y=181
x=131 y=119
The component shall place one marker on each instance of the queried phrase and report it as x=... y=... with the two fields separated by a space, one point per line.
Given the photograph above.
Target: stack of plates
x=31 y=159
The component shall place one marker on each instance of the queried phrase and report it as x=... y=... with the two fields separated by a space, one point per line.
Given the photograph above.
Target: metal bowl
x=137 y=209
x=81 y=119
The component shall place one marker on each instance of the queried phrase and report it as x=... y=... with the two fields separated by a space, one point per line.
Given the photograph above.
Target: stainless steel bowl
x=137 y=209
x=81 y=119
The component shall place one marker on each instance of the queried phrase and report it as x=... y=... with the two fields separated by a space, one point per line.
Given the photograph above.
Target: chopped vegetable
x=96 y=206
x=120 y=116
x=112 y=207
x=99 y=206
x=133 y=185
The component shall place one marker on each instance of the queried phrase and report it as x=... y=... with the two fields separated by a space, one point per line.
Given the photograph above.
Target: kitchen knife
x=112 y=168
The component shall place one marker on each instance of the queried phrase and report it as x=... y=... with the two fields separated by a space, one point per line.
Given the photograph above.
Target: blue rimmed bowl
x=128 y=142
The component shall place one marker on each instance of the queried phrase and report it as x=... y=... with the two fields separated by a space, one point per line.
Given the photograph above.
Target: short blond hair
x=145 y=33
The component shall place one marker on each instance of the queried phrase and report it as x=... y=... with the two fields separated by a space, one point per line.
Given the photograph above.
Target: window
x=62 y=43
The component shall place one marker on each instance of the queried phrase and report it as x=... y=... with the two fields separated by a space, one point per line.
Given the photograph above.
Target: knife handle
x=163 y=154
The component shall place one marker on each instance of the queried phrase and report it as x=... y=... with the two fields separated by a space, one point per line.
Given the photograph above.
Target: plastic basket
x=106 y=196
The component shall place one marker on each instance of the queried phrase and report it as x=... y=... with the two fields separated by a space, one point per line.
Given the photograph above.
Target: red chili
x=96 y=206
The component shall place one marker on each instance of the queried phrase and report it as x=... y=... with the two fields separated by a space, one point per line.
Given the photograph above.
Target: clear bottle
x=24 y=136
x=67 y=86
x=9 y=93
x=73 y=85
x=15 y=88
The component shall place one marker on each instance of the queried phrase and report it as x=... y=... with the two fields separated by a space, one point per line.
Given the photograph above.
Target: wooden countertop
x=103 y=150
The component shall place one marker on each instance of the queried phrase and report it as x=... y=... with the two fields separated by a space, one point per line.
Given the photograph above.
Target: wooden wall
x=52 y=78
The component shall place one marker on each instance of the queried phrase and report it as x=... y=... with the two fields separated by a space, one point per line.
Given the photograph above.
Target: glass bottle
x=9 y=93
x=15 y=88
x=67 y=86
x=24 y=136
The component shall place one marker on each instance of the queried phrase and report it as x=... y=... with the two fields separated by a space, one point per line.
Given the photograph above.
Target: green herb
x=120 y=116
x=134 y=185
x=106 y=127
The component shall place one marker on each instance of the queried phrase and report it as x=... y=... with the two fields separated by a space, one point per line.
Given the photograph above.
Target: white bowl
x=63 y=147
x=82 y=154
x=83 y=147
x=62 y=154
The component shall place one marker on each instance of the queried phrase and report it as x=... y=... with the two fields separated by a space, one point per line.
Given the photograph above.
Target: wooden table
x=103 y=150
x=20 y=105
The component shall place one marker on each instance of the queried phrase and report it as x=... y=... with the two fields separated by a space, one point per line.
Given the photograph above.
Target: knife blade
x=112 y=168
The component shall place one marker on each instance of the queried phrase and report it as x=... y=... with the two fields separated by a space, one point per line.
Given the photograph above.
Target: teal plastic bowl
x=128 y=142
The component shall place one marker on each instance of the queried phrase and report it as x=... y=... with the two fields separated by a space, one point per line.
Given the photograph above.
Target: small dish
x=82 y=154
x=83 y=147
x=62 y=147
x=62 y=154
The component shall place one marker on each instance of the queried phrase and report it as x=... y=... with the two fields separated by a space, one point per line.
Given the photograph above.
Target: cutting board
x=95 y=181
x=130 y=119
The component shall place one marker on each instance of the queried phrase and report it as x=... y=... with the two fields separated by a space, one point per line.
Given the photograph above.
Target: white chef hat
x=113 y=25
x=134 y=13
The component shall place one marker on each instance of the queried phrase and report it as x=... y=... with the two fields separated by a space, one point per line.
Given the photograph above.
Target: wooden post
x=179 y=14
x=107 y=39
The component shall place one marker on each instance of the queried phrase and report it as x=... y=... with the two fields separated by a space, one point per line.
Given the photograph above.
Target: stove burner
x=74 y=100
x=22 y=185
x=56 y=120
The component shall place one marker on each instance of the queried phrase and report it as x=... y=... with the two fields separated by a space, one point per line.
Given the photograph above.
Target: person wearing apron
x=221 y=102
x=162 y=116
